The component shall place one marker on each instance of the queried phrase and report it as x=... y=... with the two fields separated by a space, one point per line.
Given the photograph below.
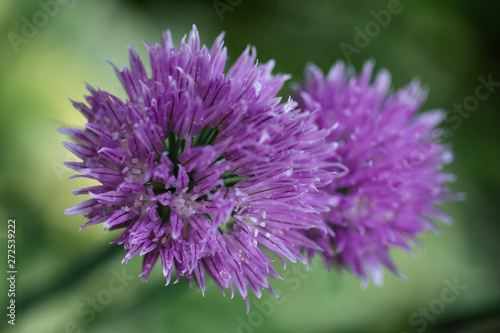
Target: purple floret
x=395 y=162
x=201 y=167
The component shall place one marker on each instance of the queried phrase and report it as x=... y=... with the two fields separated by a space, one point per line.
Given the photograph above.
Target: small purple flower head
x=200 y=167
x=394 y=160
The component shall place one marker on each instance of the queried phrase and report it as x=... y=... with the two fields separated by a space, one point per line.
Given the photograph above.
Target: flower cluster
x=208 y=172
x=201 y=167
x=394 y=157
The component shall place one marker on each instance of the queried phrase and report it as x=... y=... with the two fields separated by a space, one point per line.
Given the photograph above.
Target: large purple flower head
x=201 y=167
x=394 y=159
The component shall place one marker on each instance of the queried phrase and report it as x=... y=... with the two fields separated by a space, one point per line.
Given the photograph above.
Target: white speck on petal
x=258 y=87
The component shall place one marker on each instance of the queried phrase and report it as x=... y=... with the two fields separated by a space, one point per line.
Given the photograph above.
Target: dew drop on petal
x=225 y=275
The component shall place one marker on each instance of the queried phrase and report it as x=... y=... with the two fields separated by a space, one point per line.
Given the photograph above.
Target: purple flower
x=394 y=159
x=201 y=167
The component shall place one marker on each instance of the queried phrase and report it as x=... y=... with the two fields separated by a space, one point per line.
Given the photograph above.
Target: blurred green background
x=67 y=280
